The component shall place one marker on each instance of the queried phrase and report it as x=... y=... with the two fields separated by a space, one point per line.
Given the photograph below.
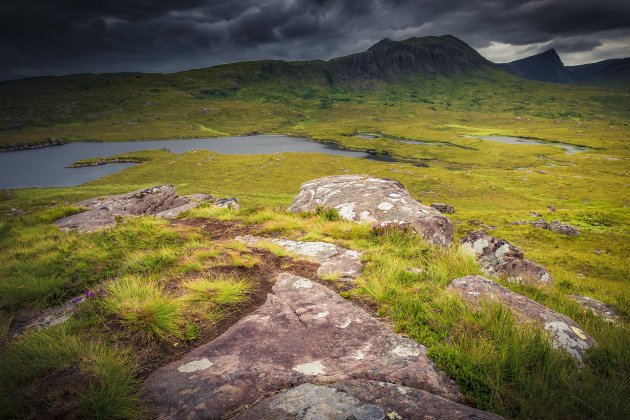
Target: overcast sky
x=74 y=36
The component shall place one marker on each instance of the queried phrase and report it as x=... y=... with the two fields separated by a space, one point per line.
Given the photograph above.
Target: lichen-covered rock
x=363 y=198
x=359 y=399
x=598 y=308
x=558 y=227
x=564 y=332
x=304 y=333
x=499 y=258
x=334 y=261
x=443 y=208
x=161 y=201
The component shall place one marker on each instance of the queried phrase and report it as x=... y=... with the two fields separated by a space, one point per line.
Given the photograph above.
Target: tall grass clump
x=58 y=373
x=327 y=213
x=142 y=306
x=218 y=289
x=207 y=211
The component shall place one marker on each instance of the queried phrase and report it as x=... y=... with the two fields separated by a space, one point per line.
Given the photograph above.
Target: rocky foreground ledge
x=321 y=352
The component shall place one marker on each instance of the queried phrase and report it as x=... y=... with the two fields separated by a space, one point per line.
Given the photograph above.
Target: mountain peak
x=383 y=43
x=545 y=66
x=427 y=56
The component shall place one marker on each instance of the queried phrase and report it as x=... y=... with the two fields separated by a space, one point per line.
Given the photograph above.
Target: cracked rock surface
x=499 y=258
x=161 y=201
x=563 y=331
x=303 y=334
x=359 y=399
x=362 y=198
x=333 y=259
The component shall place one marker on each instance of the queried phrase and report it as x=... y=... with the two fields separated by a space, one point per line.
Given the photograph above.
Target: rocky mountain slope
x=548 y=67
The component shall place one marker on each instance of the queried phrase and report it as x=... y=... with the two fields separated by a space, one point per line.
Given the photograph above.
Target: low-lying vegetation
x=159 y=288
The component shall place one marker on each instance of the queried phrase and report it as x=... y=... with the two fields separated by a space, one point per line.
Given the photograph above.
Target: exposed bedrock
x=303 y=334
x=362 y=198
x=161 y=201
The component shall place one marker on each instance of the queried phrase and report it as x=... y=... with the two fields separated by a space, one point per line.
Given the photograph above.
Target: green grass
x=62 y=371
x=220 y=289
x=499 y=364
x=142 y=306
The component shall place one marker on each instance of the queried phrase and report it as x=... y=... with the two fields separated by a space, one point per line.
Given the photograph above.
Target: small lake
x=569 y=149
x=46 y=167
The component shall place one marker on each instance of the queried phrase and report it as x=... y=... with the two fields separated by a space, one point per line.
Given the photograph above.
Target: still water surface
x=46 y=167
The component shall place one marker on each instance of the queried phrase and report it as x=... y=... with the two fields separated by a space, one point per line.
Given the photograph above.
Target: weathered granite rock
x=359 y=399
x=563 y=331
x=598 y=308
x=333 y=259
x=362 y=198
x=499 y=258
x=556 y=226
x=161 y=201
x=304 y=333
x=443 y=208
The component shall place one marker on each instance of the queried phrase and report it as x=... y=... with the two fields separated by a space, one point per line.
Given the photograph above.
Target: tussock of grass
x=219 y=289
x=237 y=259
x=328 y=214
x=113 y=391
x=150 y=261
x=207 y=253
x=141 y=306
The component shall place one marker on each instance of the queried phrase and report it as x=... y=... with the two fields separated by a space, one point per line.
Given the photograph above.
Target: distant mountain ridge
x=389 y=60
x=548 y=67
x=429 y=55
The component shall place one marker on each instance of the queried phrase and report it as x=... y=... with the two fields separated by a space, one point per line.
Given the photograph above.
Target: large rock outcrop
x=499 y=258
x=161 y=201
x=359 y=399
x=564 y=332
x=303 y=334
x=363 y=198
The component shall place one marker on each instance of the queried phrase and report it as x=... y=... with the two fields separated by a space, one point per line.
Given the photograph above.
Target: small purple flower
x=94 y=294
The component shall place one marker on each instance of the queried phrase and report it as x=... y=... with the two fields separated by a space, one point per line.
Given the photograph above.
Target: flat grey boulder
x=564 y=333
x=333 y=260
x=598 y=308
x=362 y=198
x=359 y=399
x=556 y=226
x=161 y=201
x=499 y=258
x=304 y=333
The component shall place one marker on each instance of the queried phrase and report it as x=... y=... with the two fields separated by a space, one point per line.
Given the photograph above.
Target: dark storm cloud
x=70 y=36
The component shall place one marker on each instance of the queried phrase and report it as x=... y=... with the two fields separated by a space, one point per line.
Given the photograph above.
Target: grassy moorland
x=158 y=289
